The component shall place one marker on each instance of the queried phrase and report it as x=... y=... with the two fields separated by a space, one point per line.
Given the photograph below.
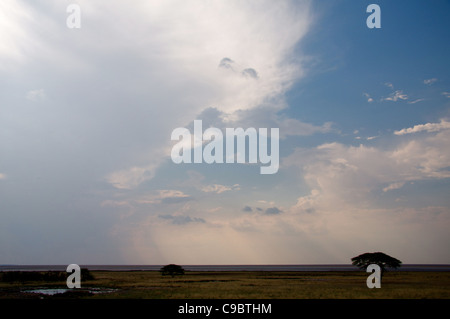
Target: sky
x=87 y=113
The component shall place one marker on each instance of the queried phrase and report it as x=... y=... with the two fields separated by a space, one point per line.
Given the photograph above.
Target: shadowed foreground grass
x=253 y=285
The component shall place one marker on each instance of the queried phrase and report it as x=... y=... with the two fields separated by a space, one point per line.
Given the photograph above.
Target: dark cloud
x=229 y=64
x=247 y=209
x=273 y=211
x=226 y=63
x=250 y=72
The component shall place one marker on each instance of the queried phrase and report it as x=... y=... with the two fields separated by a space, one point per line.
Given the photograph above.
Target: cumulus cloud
x=345 y=185
x=350 y=174
x=428 y=127
x=247 y=209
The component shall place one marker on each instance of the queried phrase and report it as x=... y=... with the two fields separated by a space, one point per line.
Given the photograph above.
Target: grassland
x=250 y=285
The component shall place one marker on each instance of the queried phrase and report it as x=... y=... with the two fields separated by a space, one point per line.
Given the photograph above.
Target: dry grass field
x=246 y=285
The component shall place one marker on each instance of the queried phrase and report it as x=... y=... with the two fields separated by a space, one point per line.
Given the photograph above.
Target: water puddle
x=54 y=291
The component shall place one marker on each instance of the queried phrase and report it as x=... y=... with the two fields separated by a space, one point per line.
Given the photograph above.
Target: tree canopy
x=381 y=259
x=172 y=270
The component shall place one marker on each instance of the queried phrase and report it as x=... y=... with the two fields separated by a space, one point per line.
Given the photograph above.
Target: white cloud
x=430 y=81
x=218 y=189
x=393 y=186
x=349 y=174
x=141 y=75
x=446 y=94
x=341 y=215
x=428 y=127
x=132 y=177
x=389 y=85
x=14 y=35
x=170 y=193
x=397 y=95
x=251 y=44
x=345 y=202
x=2 y=176
x=416 y=101
x=369 y=99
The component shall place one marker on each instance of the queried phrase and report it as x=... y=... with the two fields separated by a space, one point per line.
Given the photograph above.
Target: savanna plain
x=243 y=285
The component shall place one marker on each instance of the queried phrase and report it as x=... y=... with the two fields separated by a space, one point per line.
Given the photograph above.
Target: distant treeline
x=46 y=276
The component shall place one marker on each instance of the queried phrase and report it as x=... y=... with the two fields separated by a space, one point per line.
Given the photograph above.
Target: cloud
x=416 y=101
x=35 y=95
x=247 y=209
x=273 y=211
x=218 y=189
x=393 y=186
x=182 y=220
x=165 y=196
x=369 y=99
x=430 y=81
x=2 y=176
x=250 y=73
x=446 y=94
x=397 y=95
x=294 y=127
x=132 y=177
x=116 y=95
x=428 y=127
x=226 y=63
x=389 y=85
x=348 y=174
x=350 y=195
x=172 y=197
x=263 y=116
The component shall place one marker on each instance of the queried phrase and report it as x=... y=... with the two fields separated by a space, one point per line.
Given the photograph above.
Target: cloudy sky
x=86 y=116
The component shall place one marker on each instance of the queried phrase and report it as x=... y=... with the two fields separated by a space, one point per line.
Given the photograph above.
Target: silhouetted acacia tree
x=381 y=259
x=172 y=270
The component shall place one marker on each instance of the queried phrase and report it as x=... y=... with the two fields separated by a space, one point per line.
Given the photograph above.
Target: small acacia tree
x=381 y=259
x=172 y=270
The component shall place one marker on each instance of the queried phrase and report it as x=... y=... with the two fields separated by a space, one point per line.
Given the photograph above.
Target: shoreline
x=206 y=268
